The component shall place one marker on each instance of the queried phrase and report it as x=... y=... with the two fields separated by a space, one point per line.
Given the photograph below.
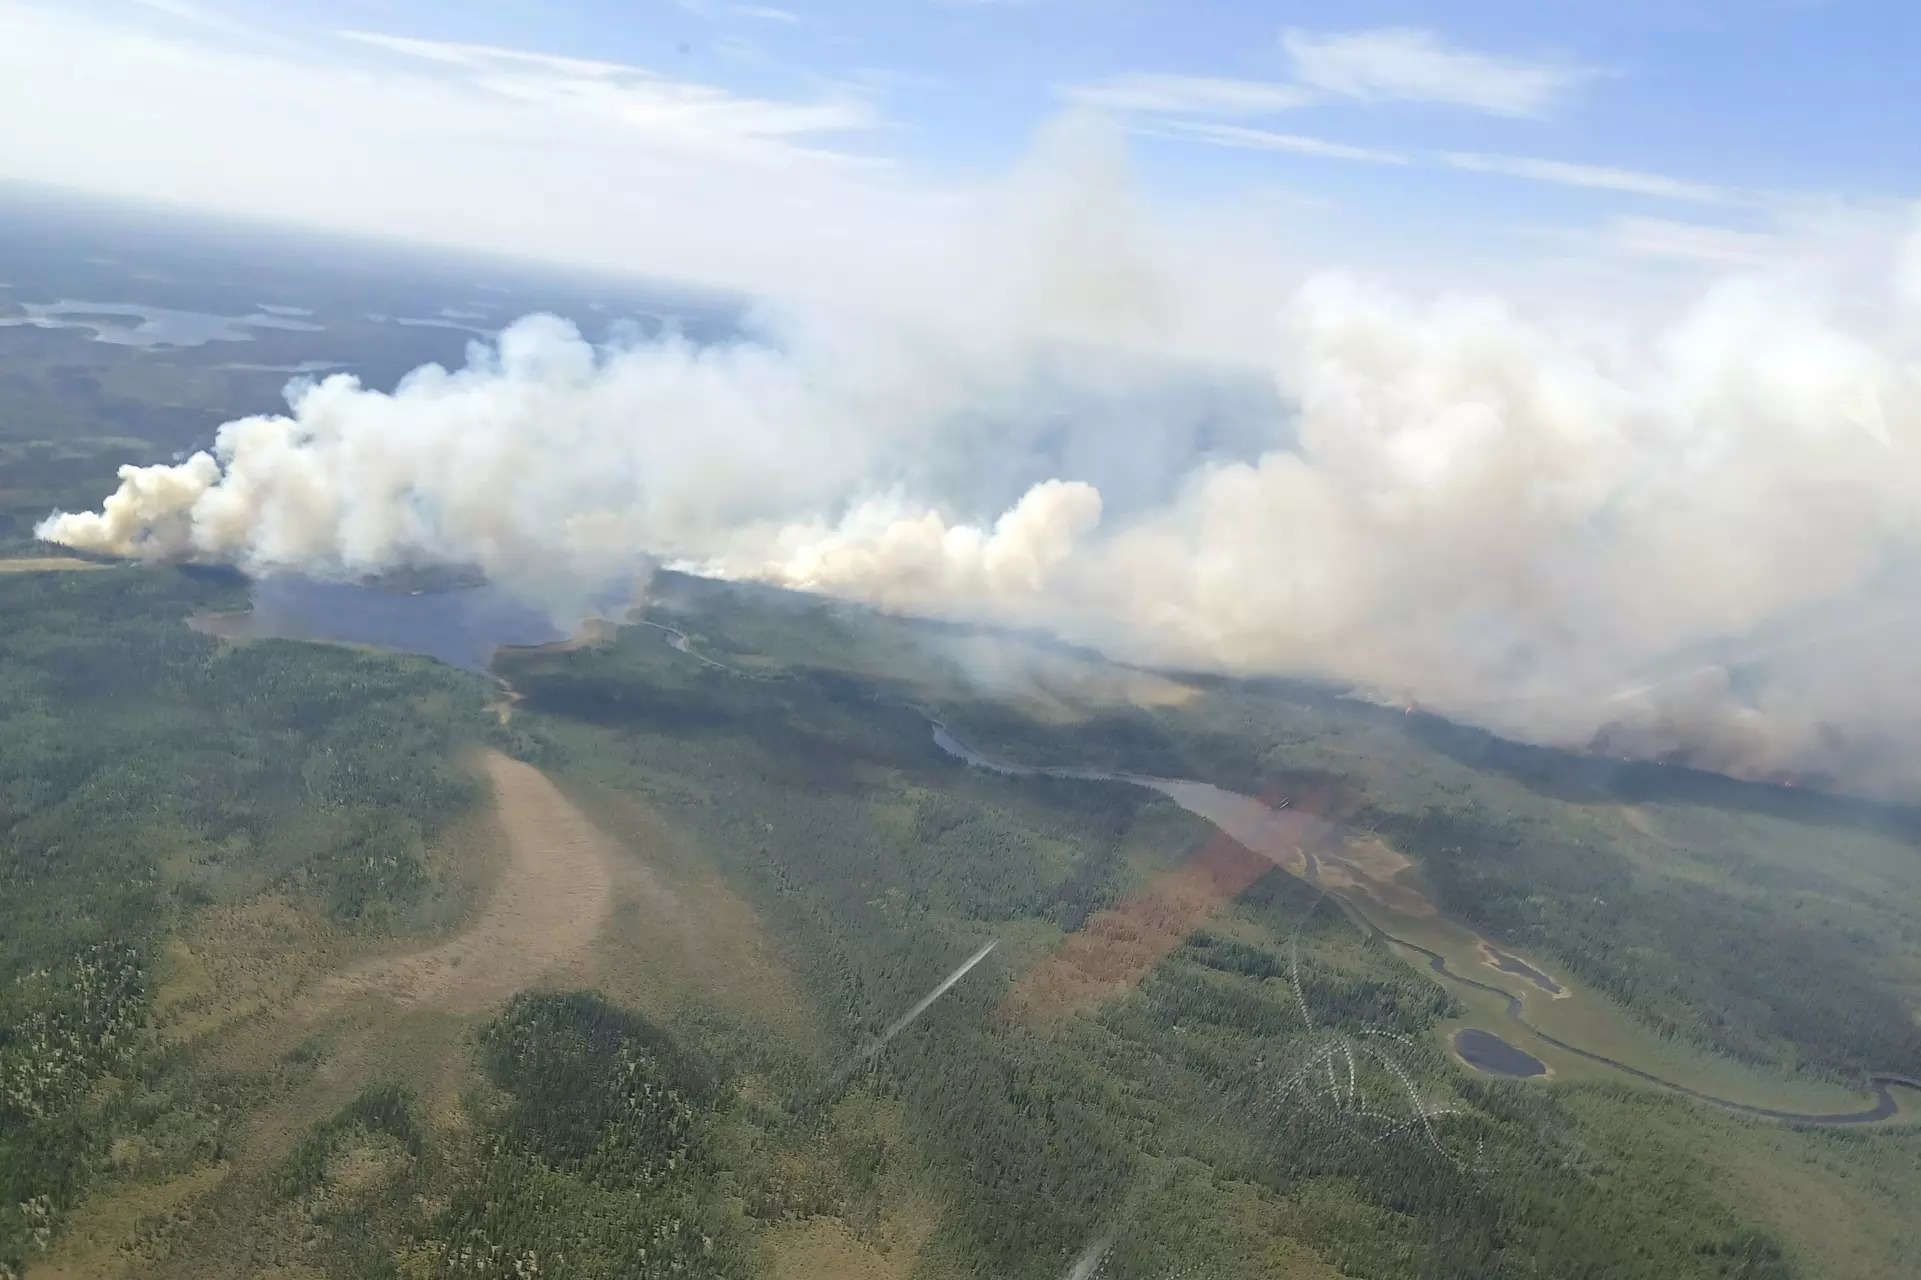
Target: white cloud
x=1600 y=177
x=1230 y=135
x=1187 y=95
x=480 y=56
x=1715 y=246
x=596 y=162
x=632 y=96
x=1411 y=65
x=532 y=154
x=185 y=10
x=762 y=12
x=196 y=14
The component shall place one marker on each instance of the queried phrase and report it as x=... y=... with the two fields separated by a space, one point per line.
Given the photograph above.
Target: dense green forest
x=1269 y=1094
x=886 y=863
x=1175 y=1063
x=596 y=1159
x=147 y=772
x=1766 y=928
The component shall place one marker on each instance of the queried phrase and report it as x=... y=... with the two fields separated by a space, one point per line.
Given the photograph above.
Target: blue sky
x=1687 y=131
x=1768 y=93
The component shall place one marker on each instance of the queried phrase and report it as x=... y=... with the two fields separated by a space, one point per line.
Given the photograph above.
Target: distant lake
x=461 y=627
x=299 y=367
x=131 y=324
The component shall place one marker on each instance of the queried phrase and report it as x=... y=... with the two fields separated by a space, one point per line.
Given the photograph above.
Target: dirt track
x=48 y=564
x=550 y=902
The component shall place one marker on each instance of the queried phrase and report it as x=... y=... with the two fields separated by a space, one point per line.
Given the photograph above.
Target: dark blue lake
x=461 y=626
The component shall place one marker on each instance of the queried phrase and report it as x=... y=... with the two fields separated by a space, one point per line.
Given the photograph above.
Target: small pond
x=1485 y=1051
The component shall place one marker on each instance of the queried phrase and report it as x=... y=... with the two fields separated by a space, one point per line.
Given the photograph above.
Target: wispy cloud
x=197 y=14
x=711 y=9
x=1601 y=177
x=1230 y=135
x=455 y=54
x=676 y=112
x=1187 y=95
x=533 y=153
x=1411 y=65
x=1716 y=246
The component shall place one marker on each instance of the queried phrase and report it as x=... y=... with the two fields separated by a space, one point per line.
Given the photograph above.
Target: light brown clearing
x=229 y=987
x=1374 y=858
x=1337 y=871
x=367 y=1165
x=174 y=1230
x=679 y=929
x=590 y=634
x=97 y=1243
x=1116 y=948
x=48 y=564
x=503 y=706
x=238 y=961
x=551 y=900
x=1491 y=959
x=829 y=1249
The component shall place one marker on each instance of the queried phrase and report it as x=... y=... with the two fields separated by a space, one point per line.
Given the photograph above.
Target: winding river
x=1255 y=825
x=464 y=627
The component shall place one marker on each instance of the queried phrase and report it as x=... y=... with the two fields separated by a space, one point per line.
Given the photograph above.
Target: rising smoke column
x=1443 y=500
x=544 y=461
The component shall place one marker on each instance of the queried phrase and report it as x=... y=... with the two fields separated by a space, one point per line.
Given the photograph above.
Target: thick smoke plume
x=1693 y=542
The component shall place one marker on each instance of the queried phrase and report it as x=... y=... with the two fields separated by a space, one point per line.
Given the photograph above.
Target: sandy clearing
x=395 y=1016
x=825 y=1248
x=106 y=1241
x=238 y=961
x=550 y=902
x=679 y=929
x=1374 y=858
x=48 y=564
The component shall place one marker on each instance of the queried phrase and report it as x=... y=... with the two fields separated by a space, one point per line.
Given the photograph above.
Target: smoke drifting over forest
x=1696 y=541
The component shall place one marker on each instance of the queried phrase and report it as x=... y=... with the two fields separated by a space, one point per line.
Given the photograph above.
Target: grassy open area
x=1592 y=1021
x=150 y=780
x=344 y=1042
x=712 y=753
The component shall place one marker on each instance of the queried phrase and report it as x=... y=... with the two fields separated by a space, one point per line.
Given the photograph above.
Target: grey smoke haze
x=1696 y=539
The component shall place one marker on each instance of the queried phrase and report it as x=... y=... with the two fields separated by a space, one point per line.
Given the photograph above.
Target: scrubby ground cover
x=146 y=775
x=782 y=863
